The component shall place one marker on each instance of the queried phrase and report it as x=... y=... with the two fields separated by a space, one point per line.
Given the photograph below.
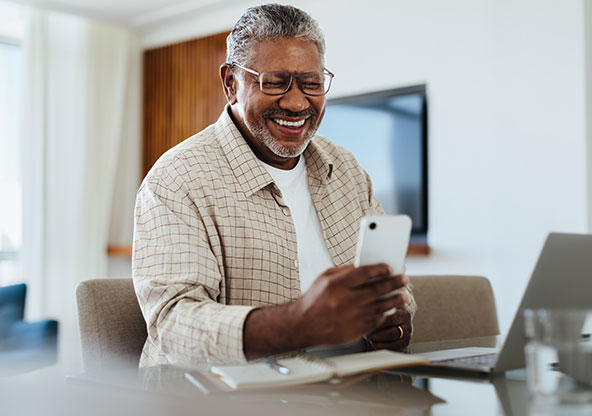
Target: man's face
x=278 y=128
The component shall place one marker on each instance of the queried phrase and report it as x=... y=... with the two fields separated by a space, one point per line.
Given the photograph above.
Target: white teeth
x=289 y=123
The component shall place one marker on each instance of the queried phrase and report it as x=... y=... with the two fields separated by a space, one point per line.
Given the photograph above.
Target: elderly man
x=245 y=233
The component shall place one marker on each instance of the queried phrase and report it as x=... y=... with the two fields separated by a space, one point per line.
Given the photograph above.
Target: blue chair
x=24 y=346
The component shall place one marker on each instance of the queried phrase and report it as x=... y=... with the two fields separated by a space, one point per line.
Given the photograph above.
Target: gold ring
x=401 y=332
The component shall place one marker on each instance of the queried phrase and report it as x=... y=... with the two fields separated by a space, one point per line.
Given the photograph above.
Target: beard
x=263 y=134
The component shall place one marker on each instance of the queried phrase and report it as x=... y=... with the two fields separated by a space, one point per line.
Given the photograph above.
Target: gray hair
x=270 y=21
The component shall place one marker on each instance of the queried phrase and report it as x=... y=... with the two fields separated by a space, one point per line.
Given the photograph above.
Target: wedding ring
x=401 y=332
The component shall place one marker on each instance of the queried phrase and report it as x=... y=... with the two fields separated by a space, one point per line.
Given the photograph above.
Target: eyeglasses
x=279 y=82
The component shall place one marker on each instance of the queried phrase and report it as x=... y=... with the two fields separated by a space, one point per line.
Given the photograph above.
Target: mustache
x=287 y=113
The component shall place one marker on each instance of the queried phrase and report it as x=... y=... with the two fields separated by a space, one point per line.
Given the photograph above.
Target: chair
x=112 y=328
x=24 y=346
x=453 y=312
x=12 y=307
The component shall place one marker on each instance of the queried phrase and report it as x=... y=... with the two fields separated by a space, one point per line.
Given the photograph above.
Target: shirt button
x=296 y=263
x=286 y=211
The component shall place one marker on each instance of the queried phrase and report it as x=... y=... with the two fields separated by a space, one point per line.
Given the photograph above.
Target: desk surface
x=165 y=391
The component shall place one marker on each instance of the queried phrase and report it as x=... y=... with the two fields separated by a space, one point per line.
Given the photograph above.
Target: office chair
x=112 y=328
x=453 y=312
x=24 y=346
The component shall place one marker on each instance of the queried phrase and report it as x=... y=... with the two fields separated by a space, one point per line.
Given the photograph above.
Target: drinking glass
x=558 y=356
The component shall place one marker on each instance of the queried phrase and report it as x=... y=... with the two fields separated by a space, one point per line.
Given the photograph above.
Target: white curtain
x=81 y=110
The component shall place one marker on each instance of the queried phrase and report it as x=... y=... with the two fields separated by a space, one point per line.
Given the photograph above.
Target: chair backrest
x=12 y=306
x=24 y=346
x=453 y=312
x=112 y=328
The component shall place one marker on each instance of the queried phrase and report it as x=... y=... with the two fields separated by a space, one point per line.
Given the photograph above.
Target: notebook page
x=345 y=365
x=258 y=374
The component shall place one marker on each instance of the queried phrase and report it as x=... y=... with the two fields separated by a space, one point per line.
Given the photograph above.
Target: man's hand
x=342 y=305
x=345 y=303
x=388 y=335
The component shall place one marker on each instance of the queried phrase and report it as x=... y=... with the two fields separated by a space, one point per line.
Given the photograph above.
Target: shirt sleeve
x=177 y=277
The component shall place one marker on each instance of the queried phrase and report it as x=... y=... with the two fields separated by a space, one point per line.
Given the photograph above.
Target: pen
x=271 y=363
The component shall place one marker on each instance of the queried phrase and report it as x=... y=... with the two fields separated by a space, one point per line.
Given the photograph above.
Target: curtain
x=81 y=109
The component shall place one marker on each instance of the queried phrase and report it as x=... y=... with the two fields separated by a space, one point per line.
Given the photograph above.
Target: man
x=234 y=225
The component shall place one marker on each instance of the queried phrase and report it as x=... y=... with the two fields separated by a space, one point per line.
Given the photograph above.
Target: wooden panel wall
x=182 y=93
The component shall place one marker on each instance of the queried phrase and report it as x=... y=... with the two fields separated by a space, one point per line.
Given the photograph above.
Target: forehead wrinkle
x=292 y=55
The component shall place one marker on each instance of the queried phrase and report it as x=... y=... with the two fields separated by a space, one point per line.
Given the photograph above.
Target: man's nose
x=294 y=99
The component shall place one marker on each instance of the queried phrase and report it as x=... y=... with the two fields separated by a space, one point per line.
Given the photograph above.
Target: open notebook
x=311 y=370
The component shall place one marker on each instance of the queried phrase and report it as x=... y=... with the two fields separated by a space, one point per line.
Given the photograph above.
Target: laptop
x=562 y=278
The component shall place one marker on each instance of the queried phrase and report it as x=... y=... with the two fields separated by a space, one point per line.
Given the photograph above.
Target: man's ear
x=228 y=83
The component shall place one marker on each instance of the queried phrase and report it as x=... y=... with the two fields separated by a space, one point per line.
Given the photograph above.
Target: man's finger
x=376 y=289
x=400 y=317
x=337 y=270
x=388 y=330
x=360 y=275
x=390 y=334
x=383 y=305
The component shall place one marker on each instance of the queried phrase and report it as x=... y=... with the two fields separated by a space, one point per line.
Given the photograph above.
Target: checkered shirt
x=213 y=239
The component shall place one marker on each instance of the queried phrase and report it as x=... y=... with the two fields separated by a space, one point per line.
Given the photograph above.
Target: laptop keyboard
x=485 y=360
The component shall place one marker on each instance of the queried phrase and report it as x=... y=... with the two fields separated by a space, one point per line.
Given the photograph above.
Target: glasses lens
x=275 y=82
x=314 y=83
x=311 y=83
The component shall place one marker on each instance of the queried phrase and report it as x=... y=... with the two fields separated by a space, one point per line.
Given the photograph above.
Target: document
x=306 y=369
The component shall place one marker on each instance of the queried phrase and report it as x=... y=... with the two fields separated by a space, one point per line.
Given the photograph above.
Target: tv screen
x=387 y=133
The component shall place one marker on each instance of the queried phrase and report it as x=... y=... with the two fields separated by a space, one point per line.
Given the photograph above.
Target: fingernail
x=404 y=279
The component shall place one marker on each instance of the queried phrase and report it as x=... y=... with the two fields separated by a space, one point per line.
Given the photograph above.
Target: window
x=11 y=82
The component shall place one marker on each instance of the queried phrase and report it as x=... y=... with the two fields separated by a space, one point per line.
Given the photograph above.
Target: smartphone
x=384 y=239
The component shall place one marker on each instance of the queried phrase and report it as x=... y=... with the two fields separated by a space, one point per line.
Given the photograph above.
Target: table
x=164 y=390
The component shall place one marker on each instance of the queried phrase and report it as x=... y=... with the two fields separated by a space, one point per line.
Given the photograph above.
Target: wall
x=182 y=93
x=588 y=42
x=506 y=86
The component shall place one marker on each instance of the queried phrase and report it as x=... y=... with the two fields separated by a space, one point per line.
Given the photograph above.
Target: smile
x=286 y=123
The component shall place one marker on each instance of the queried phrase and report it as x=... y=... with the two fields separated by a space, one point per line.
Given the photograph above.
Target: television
x=387 y=133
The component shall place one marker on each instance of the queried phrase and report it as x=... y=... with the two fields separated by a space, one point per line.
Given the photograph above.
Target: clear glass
x=558 y=356
x=279 y=82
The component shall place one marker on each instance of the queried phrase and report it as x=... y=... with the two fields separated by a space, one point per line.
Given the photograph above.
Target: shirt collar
x=249 y=170
x=318 y=163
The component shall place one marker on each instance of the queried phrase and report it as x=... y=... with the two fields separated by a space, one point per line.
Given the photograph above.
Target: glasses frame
x=292 y=76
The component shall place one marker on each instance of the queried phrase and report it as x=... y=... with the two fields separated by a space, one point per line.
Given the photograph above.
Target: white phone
x=384 y=239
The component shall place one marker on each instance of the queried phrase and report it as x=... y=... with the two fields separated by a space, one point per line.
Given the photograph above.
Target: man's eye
x=277 y=84
x=311 y=85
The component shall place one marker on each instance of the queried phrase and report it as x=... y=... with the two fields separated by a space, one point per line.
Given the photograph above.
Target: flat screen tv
x=387 y=133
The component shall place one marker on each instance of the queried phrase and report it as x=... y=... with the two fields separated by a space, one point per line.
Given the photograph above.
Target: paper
x=304 y=370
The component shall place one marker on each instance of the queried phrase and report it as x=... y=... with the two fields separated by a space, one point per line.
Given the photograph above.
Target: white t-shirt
x=313 y=256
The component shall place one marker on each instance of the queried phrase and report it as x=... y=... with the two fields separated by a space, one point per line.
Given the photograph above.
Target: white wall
x=588 y=42
x=507 y=116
